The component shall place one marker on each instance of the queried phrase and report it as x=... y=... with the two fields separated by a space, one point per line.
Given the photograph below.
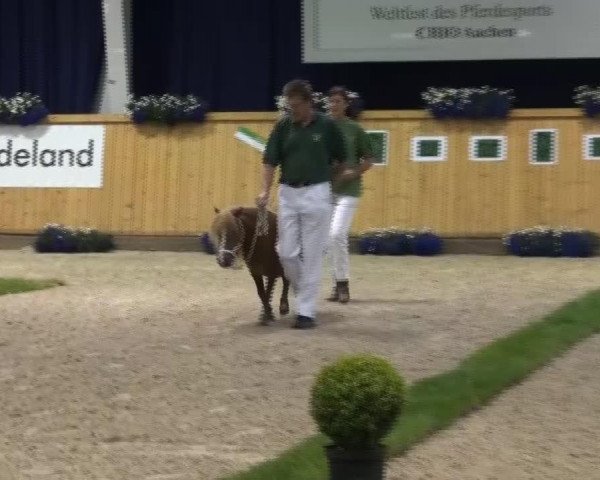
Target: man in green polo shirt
x=309 y=149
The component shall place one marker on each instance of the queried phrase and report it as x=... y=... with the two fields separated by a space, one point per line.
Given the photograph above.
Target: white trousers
x=303 y=225
x=344 y=207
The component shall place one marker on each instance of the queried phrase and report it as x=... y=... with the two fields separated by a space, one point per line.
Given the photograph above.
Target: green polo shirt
x=305 y=154
x=358 y=145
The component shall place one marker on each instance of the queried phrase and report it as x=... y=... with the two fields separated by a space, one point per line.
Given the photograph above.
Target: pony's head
x=227 y=235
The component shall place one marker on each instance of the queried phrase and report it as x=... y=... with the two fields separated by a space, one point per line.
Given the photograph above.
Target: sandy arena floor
x=544 y=429
x=151 y=365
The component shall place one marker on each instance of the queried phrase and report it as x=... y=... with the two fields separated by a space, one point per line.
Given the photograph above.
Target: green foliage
x=356 y=400
x=20 y=285
x=435 y=403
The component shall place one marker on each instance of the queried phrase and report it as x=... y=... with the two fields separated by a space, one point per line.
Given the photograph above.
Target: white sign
x=425 y=30
x=53 y=156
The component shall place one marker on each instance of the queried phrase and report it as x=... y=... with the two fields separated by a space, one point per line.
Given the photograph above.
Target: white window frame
x=502 y=139
x=414 y=149
x=386 y=152
x=532 y=146
x=587 y=144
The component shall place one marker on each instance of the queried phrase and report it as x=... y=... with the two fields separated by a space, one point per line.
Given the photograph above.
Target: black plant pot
x=367 y=464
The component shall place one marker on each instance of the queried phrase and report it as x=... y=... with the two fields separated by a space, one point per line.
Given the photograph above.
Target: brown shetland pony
x=232 y=234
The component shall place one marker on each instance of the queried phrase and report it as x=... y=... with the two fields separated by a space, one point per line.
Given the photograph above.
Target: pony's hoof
x=284 y=309
x=266 y=319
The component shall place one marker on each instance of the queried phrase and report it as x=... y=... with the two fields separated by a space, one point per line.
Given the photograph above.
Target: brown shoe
x=334 y=297
x=343 y=291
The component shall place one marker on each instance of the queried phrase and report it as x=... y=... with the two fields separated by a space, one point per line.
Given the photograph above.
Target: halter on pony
x=261 y=230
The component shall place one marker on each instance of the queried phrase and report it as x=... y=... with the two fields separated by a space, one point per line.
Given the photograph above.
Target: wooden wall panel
x=167 y=180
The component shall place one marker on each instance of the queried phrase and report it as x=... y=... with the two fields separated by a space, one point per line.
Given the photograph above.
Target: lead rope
x=261 y=230
x=238 y=262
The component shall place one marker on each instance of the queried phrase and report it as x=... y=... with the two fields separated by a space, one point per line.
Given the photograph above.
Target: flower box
x=321 y=104
x=206 y=244
x=55 y=238
x=23 y=109
x=396 y=242
x=548 y=242
x=588 y=99
x=469 y=103
x=166 y=109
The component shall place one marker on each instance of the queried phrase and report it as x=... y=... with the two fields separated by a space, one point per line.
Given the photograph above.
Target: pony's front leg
x=266 y=315
x=269 y=296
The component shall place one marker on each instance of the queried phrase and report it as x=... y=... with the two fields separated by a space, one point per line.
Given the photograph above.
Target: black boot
x=343 y=290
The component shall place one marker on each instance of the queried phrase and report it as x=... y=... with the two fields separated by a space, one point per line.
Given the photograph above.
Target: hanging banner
x=425 y=30
x=52 y=156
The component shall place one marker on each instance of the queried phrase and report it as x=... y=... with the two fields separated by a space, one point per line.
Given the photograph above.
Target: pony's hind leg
x=284 y=306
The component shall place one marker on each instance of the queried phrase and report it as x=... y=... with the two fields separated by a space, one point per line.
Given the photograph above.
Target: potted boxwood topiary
x=355 y=402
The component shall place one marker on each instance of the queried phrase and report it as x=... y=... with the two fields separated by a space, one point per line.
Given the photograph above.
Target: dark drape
x=52 y=48
x=238 y=54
